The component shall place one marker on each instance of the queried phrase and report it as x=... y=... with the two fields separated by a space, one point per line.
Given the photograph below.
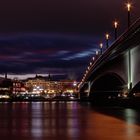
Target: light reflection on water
x=130 y=115
x=67 y=120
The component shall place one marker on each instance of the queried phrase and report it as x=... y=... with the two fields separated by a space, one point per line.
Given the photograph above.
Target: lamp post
x=116 y=28
x=101 y=48
x=128 y=5
x=128 y=11
x=107 y=38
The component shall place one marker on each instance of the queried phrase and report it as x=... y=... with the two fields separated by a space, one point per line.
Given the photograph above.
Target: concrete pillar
x=89 y=88
x=129 y=72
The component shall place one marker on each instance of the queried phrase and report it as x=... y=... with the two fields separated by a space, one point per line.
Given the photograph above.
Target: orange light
x=97 y=52
x=128 y=6
x=101 y=45
x=115 y=24
x=107 y=36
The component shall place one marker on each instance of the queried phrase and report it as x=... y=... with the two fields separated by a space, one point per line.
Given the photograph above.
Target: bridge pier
x=129 y=72
x=85 y=92
x=89 y=89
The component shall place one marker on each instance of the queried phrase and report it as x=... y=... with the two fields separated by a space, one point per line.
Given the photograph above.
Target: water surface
x=67 y=121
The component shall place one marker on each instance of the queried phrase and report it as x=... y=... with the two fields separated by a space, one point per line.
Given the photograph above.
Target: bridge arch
x=108 y=85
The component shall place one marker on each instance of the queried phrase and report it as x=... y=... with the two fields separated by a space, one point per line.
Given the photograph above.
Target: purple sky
x=56 y=36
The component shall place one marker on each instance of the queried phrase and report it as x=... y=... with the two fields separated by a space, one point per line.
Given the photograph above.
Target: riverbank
x=36 y=100
x=120 y=102
x=125 y=102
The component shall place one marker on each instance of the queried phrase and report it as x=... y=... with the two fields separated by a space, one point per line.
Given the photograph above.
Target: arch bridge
x=117 y=71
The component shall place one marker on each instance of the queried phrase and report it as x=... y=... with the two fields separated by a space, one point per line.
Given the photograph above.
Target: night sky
x=56 y=36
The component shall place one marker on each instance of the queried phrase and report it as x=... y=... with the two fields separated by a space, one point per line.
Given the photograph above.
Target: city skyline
x=54 y=77
x=56 y=37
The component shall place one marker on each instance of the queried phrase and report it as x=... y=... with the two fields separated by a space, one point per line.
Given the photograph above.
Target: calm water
x=67 y=121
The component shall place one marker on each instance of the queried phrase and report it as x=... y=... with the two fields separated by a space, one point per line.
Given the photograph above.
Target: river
x=67 y=121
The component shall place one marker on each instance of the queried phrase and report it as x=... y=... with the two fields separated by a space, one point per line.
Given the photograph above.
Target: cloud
x=83 y=54
x=45 y=53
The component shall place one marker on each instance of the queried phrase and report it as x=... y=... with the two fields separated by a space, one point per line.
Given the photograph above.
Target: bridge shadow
x=128 y=113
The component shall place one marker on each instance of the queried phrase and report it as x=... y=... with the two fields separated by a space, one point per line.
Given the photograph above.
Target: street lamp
x=101 y=48
x=107 y=38
x=128 y=5
x=97 y=53
x=90 y=63
x=115 y=27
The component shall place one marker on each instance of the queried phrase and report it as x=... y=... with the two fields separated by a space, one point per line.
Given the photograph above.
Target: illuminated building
x=18 y=87
x=43 y=85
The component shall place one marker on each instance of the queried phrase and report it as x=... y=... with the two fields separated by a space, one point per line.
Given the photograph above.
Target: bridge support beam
x=89 y=88
x=85 y=92
x=129 y=72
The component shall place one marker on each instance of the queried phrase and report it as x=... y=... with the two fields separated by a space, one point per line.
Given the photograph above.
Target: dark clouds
x=55 y=36
x=45 y=53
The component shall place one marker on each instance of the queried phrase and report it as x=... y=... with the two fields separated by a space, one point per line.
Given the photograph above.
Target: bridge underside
x=107 y=86
x=84 y=92
x=136 y=90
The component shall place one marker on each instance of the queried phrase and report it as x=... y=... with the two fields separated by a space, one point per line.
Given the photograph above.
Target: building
x=5 y=86
x=44 y=85
x=18 y=87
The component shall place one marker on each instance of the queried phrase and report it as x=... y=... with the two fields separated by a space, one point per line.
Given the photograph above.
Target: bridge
x=117 y=71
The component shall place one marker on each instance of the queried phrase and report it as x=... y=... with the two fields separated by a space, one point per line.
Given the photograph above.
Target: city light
x=37 y=89
x=74 y=83
x=4 y=96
